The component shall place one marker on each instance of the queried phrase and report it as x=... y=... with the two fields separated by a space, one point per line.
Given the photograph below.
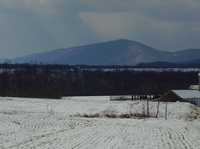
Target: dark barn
x=192 y=95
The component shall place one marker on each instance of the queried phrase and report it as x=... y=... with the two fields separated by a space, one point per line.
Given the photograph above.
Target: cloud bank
x=32 y=26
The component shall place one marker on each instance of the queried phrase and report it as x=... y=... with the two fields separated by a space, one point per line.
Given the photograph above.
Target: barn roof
x=187 y=94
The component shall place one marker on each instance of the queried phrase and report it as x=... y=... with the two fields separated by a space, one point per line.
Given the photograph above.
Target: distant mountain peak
x=116 y=52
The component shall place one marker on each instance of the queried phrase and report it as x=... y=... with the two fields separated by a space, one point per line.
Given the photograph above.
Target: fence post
x=166 y=110
x=147 y=107
x=157 y=109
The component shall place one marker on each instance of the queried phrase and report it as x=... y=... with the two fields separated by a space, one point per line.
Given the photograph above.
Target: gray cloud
x=28 y=26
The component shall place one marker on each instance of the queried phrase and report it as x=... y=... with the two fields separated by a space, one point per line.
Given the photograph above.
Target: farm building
x=191 y=95
x=194 y=87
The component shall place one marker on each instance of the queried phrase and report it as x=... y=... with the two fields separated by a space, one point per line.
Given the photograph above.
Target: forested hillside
x=55 y=81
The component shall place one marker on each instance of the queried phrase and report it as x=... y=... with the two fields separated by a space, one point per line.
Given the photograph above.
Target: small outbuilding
x=194 y=87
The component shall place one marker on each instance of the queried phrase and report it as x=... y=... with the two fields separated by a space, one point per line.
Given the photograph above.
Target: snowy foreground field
x=45 y=123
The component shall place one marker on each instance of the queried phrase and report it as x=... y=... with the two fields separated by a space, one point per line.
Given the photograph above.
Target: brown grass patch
x=88 y=115
x=126 y=115
x=111 y=115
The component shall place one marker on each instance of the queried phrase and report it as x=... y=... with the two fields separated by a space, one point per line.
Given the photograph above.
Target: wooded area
x=55 y=81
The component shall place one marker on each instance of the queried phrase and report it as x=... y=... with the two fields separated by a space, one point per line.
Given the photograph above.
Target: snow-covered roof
x=187 y=94
x=194 y=87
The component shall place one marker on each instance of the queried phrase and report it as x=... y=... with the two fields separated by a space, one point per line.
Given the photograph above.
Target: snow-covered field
x=44 y=123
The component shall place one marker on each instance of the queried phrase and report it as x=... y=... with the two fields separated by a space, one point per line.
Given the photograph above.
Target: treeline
x=9 y=65
x=55 y=81
x=193 y=64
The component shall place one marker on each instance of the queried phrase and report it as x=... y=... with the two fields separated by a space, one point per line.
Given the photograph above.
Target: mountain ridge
x=117 y=52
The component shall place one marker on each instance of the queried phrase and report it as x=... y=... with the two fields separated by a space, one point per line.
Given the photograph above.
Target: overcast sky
x=34 y=26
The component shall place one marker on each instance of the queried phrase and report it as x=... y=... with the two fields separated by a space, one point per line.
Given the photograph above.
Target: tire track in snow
x=84 y=133
x=91 y=135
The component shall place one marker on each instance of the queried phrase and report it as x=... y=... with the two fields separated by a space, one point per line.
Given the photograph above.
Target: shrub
x=88 y=115
x=125 y=116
